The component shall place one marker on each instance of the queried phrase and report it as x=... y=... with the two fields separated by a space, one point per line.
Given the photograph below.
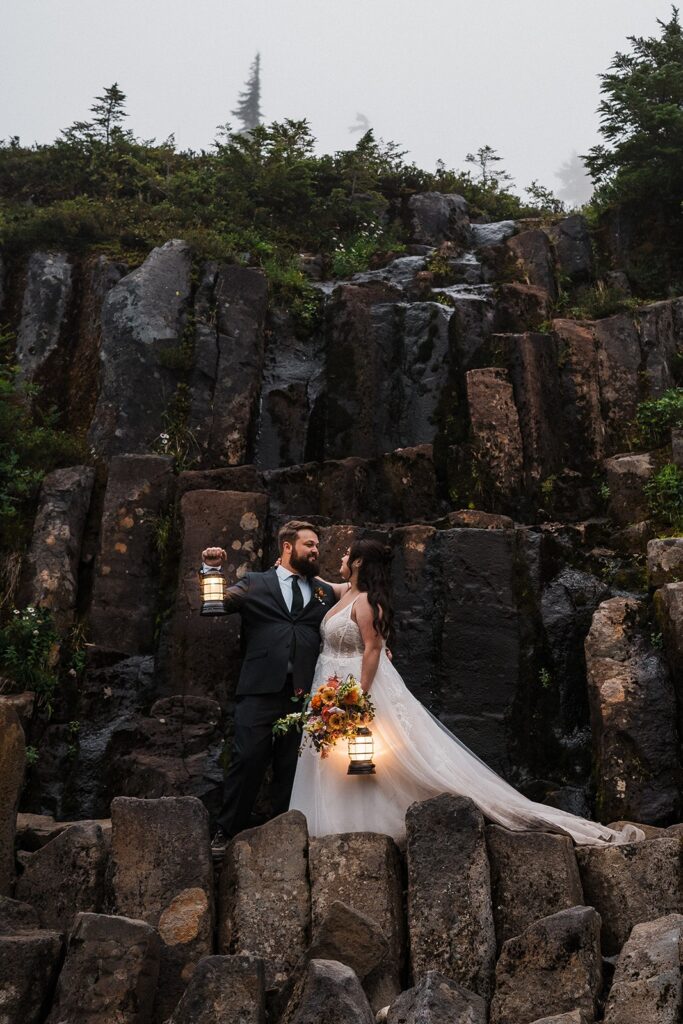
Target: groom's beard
x=305 y=565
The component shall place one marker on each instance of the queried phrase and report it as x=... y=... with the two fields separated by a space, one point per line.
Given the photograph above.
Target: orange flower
x=328 y=694
x=353 y=696
x=336 y=718
x=316 y=701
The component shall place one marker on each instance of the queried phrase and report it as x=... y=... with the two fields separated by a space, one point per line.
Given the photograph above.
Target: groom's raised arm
x=236 y=594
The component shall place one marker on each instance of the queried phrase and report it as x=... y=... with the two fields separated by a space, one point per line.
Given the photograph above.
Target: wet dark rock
x=143 y=320
x=668 y=604
x=163 y=875
x=264 y=901
x=53 y=560
x=66 y=876
x=437 y=218
x=110 y=972
x=49 y=284
x=631 y=884
x=521 y=307
x=12 y=761
x=533 y=875
x=659 y=326
x=565 y=947
x=437 y=1000
x=222 y=989
x=450 y=917
x=619 y=365
x=583 y=425
x=495 y=429
x=633 y=716
x=492 y=234
x=534 y=257
x=573 y=249
x=225 y=383
x=647 y=980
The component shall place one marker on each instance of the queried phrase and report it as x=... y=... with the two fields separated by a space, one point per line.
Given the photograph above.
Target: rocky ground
x=437 y=403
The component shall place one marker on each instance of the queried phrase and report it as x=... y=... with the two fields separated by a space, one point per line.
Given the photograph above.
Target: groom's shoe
x=219 y=843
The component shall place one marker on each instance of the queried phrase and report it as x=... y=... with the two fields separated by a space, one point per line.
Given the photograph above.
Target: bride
x=415 y=755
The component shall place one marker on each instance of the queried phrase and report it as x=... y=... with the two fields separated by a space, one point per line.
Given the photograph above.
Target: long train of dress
x=416 y=758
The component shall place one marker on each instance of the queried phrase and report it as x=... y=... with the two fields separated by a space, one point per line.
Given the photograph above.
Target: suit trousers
x=253 y=750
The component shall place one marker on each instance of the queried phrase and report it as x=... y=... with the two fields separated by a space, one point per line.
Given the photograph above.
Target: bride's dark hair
x=375 y=581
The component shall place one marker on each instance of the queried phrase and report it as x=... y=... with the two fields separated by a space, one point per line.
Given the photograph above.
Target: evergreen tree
x=485 y=160
x=105 y=128
x=641 y=119
x=248 y=109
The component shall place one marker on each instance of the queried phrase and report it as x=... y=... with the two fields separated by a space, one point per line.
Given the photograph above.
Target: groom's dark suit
x=279 y=651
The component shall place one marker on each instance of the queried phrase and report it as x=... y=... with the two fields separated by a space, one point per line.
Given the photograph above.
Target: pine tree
x=248 y=109
x=641 y=119
x=105 y=127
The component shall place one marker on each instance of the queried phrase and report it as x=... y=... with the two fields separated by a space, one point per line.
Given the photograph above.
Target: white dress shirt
x=285 y=579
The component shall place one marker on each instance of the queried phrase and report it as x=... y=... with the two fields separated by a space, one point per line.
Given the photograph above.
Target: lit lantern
x=361 y=750
x=213 y=584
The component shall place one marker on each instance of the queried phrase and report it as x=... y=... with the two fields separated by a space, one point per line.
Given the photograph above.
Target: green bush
x=656 y=417
x=665 y=495
x=593 y=302
x=29 y=653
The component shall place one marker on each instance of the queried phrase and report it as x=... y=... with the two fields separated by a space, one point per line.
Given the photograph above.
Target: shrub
x=656 y=417
x=665 y=495
x=29 y=652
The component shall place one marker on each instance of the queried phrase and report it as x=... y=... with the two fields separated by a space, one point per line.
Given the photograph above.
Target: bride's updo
x=374 y=579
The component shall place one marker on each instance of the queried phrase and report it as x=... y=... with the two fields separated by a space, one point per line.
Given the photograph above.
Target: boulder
x=222 y=989
x=162 y=874
x=437 y=1000
x=125 y=593
x=534 y=257
x=552 y=967
x=521 y=307
x=571 y=1017
x=533 y=875
x=437 y=218
x=12 y=760
x=328 y=992
x=665 y=561
x=631 y=884
x=225 y=381
x=66 y=876
x=627 y=476
x=351 y=938
x=143 y=322
x=110 y=972
x=234 y=521
x=484 y=235
x=363 y=870
x=29 y=963
x=17 y=917
x=647 y=981
x=450 y=917
x=37 y=830
x=573 y=248
x=264 y=906
x=495 y=428
x=633 y=714
x=47 y=295
x=54 y=555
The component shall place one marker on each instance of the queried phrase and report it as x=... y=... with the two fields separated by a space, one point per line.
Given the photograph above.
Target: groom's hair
x=290 y=531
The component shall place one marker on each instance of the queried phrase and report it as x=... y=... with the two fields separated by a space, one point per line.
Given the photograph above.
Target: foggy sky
x=441 y=77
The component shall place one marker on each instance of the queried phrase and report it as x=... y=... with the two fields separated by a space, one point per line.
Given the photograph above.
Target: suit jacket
x=269 y=628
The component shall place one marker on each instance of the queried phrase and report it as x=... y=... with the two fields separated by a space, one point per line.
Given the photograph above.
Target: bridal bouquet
x=336 y=711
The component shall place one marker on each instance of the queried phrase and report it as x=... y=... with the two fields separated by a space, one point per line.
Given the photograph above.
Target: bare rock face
x=143 y=319
x=225 y=383
x=54 y=555
x=45 y=306
x=234 y=521
x=564 y=947
x=328 y=992
x=627 y=476
x=659 y=329
x=572 y=1017
x=264 y=901
x=573 y=249
x=665 y=561
x=450 y=917
x=495 y=427
x=163 y=875
x=647 y=983
x=17 y=917
x=534 y=257
x=12 y=760
x=66 y=876
x=224 y=988
x=110 y=973
x=29 y=963
x=437 y=1000
x=633 y=714
x=126 y=582
x=631 y=884
x=363 y=870
x=581 y=412
x=437 y=218
x=668 y=603
x=533 y=875
x=619 y=364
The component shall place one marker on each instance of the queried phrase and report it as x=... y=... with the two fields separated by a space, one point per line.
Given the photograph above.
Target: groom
x=281 y=613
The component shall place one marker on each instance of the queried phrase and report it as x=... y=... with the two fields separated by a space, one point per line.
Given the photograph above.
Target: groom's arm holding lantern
x=212 y=558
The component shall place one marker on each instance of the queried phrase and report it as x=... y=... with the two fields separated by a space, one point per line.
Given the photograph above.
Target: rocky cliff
x=436 y=402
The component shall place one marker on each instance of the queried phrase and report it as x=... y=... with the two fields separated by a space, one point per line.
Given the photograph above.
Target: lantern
x=361 y=750
x=213 y=584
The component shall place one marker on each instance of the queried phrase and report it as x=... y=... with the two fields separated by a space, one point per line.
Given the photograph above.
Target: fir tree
x=248 y=109
x=105 y=127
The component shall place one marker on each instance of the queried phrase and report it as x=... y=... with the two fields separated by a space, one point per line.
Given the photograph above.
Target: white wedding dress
x=416 y=758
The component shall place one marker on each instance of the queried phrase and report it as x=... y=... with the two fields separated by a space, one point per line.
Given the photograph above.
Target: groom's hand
x=213 y=557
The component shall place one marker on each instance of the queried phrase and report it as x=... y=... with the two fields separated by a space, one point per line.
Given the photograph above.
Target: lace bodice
x=341 y=636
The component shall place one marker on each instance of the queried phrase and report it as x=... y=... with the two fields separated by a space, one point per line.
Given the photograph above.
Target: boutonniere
x=320 y=595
